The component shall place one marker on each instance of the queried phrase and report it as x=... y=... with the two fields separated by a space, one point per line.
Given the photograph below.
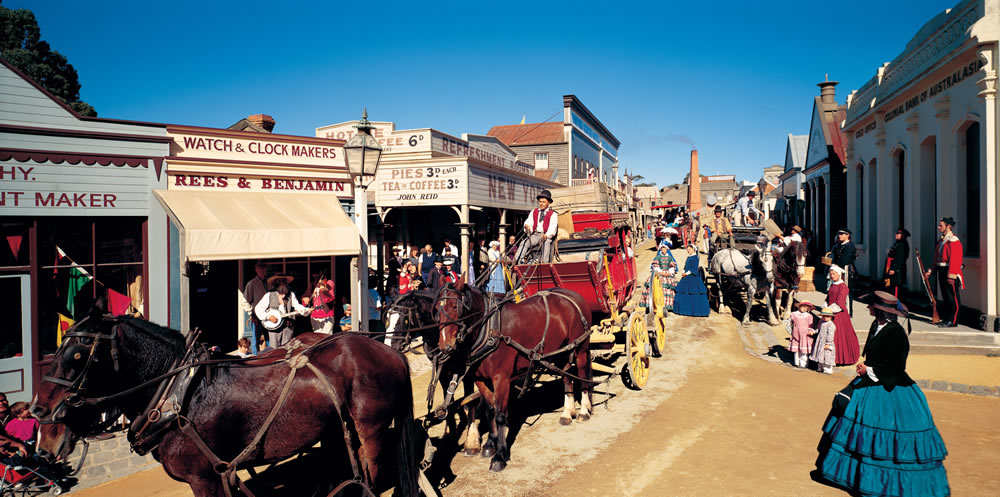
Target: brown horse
x=341 y=381
x=548 y=322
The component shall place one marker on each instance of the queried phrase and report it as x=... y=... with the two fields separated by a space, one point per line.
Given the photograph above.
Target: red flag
x=119 y=303
x=15 y=244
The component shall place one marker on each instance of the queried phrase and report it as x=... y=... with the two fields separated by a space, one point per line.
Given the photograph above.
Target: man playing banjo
x=541 y=225
x=274 y=307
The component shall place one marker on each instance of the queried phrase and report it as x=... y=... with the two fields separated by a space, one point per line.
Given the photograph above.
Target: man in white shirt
x=284 y=302
x=541 y=226
x=744 y=207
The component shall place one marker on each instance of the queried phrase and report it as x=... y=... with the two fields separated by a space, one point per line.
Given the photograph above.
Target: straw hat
x=280 y=279
x=806 y=303
x=826 y=311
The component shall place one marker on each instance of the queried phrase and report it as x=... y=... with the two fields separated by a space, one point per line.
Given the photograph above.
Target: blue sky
x=735 y=77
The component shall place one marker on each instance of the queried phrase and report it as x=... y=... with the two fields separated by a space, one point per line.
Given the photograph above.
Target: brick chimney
x=828 y=96
x=262 y=120
x=694 y=184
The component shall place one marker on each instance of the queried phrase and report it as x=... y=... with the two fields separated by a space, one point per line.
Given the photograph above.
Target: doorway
x=15 y=339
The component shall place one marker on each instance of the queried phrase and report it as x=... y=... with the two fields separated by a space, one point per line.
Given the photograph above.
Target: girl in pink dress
x=801 y=344
x=848 y=349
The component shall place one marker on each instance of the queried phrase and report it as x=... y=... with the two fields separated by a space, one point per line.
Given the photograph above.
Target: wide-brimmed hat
x=544 y=194
x=494 y=243
x=806 y=303
x=711 y=199
x=280 y=279
x=886 y=302
x=796 y=229
x=718 y=208
x=826 y=311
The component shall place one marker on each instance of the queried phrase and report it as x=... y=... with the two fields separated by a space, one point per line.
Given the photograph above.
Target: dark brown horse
x=551 y=321
x=341 y=381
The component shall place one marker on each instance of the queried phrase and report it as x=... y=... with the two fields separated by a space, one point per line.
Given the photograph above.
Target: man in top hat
x=948 y=268
x=744 y=206
x=541 y=225
x=843 y=254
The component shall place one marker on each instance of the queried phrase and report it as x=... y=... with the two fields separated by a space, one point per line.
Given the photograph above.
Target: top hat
x=886 y=302
x=904 y=232
x=751 y=193
x=544 y=194
x=280 y=279
x=718 y=208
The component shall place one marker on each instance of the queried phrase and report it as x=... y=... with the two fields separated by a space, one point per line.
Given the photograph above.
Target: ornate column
x=882 y=174
x=911 y=186
x=988 y=92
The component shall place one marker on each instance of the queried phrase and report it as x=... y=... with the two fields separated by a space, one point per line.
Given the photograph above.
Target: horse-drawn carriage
x=597 y=262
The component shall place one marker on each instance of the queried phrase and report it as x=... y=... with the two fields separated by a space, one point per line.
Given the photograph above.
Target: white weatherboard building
x=922 y=144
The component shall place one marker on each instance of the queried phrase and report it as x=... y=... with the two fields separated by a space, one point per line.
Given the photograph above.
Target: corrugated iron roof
x=528 y=134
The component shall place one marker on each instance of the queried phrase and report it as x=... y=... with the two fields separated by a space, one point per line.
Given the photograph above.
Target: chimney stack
x=262 y=120
x=827 y=93
x=694 y=184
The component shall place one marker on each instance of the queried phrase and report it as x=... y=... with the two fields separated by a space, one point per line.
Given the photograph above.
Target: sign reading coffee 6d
x=421 y=185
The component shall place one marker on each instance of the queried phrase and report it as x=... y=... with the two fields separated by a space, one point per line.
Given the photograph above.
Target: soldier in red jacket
x=948 y=267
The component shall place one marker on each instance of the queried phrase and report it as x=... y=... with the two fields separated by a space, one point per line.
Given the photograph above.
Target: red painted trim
x=36 y=355
x=21 y=155
x=175 y=158
x=73 y=133
x=145 y=269
x=251 y=135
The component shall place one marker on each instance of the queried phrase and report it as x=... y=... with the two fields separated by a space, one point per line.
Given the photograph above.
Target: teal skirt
x=885 y=444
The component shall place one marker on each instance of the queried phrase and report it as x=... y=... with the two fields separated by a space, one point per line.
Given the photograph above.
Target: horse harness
x=165 y=410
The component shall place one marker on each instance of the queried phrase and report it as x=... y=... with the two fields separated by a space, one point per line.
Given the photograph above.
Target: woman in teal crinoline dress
x=880 y=438
x=665 y=265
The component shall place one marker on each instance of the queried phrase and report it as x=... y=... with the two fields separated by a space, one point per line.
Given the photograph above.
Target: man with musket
x=843 y=254
x=541 y=226
x=948 y=268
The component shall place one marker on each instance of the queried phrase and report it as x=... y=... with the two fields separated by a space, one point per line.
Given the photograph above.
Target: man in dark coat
x=843 y=254
x=895 y=263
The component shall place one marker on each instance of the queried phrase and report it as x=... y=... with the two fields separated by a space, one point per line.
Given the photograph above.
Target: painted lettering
x=14 y=197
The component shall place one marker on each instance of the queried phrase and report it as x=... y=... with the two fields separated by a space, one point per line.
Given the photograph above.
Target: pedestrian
x=426 y=263
x=414 y=257
x=879 y=437
x=511 y=246
x=448 y=245
x=483 y=258
x=242 y=348
x=255 y=290
x=663 y=268
x=895 y=263
x=948 y=268
x=496 y=283
x=374 y=308
x=345 y=322
x=691 y=295
x=436 y=274
x=394 y=267
x=837 y=295
x=825 y=348
x=280 y=302
x=802 y=333
x=323 y=307
x=843 y=254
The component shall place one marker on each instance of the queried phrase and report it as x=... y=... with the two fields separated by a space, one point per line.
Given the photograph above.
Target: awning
x=242 y=225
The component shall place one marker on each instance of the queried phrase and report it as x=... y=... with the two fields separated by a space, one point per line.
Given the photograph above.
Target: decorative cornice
x=987 y=85
x=41 y=156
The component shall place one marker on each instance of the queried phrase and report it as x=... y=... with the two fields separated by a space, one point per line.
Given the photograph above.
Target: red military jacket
x=949 y=254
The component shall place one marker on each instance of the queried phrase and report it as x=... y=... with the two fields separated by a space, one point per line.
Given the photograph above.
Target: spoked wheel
x=658 y=335
x=637 y=351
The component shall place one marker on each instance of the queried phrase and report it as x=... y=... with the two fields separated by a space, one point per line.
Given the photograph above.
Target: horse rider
x=745 y=206
x=541 y=225
x=721 y=230
x=843 y=254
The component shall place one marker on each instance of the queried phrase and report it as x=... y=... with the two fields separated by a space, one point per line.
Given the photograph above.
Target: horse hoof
x=583 y=417
x=565 y=421
x=497 y=465
x=488 y=452
x=472 y=452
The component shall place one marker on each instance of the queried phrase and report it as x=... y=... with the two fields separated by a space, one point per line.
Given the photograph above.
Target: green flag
x=77 y=279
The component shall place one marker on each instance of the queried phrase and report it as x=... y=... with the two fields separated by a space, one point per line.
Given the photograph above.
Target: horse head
x=99 y=357
x=415 y=310
x=456 y=304
x=764 y=259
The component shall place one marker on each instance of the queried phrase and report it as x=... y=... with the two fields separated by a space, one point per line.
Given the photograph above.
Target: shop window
x=11 y=344
x=14 y=250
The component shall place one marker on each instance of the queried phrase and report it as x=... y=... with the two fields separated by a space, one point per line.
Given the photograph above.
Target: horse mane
x=173 y=338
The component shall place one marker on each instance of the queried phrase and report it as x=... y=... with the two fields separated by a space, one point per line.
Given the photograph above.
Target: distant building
x=790 y=206
x=768 y=190
x=674 y=194
x=825 y=187
x=580 y=147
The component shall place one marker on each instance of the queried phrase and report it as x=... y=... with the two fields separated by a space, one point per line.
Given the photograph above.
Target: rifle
x=927 y=286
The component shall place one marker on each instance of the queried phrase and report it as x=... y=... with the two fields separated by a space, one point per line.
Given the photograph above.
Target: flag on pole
x=78 y=277
x=523 y=117
x=64 y=324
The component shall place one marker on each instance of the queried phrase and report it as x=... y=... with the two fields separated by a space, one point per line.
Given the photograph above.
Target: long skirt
x=845 y=341
x=692 y=297
x=496 y=283
x=885 y=443
x=669 y=292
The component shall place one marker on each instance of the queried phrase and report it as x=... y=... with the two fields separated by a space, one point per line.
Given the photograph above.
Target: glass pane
x=57 y=296
x=126 y=280
x=14 y=240
x=119 y=240
x=10 y=333
x=71 y=234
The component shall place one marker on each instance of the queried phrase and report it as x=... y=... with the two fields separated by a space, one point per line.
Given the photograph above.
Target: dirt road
x=713 y=420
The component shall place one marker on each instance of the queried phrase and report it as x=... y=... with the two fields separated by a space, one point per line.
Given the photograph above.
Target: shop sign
x=484 y=151
x=421 y=185
x=493 y=189
x=72 y=190
x=265 y=149
x=390 y=140
x=219 y=182
x=867 y=129
x=935 y=89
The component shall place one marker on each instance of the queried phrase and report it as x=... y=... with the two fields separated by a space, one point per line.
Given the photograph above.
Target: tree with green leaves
x=21 y=44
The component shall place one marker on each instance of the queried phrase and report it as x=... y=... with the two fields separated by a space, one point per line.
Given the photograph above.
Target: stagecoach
x=594 y=260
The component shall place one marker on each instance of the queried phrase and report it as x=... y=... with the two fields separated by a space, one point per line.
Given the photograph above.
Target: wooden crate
x=806 y=282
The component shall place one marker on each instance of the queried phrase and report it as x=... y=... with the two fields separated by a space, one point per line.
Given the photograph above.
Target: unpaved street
x=713 y=420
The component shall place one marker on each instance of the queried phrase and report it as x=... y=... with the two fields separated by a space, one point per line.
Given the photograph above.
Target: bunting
x=15 y=244
x=78 y=277
x=118 y=303
x=65 y=324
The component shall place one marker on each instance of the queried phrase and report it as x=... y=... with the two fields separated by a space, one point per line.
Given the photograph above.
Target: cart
x=596 y=263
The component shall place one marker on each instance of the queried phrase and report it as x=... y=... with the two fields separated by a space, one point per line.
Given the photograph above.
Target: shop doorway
x=15 y=339
x=213 y=301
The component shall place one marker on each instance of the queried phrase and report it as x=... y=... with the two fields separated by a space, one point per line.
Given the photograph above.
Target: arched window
x=859 y=203
x=969 y=151
x=899 y=182
x=872 y=214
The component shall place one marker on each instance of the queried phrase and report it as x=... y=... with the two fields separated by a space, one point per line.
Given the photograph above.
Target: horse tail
x=406 y=446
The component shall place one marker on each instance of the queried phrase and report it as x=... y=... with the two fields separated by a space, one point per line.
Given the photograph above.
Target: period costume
x=880 y=438
x=948 y=269
x=744 y=207
x=848 y=348
x=271 y=301
x=496 y=283
x=664 y=265
x=802 y=331
x=843 y=255
x=825 y=346
x=542 y=227
x=691 y=295
x=254 y=290
x=895 y=262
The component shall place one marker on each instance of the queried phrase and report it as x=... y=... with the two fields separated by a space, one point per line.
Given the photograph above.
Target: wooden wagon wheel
x=658 y=338
x=637 y=352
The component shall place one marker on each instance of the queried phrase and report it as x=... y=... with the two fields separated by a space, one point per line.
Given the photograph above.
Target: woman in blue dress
x=692 y=296
x=880 y=438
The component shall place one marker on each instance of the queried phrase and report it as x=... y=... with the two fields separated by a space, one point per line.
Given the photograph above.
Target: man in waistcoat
x=541 y=225
x=284 y=302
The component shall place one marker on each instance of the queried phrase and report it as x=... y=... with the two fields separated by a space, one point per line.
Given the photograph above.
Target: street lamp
x=362 y=153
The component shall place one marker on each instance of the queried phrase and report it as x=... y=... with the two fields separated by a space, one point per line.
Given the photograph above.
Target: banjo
x=269 y=326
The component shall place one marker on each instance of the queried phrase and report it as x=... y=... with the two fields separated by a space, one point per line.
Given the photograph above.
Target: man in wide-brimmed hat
x=276 y=307
x=721 y=230
x=744 y=207
x=541 y=226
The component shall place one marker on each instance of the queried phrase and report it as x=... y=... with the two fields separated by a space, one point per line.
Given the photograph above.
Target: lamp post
x=362 y=153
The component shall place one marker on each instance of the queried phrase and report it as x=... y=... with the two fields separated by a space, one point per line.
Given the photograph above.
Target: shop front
x=236 y=198
x=79 y=224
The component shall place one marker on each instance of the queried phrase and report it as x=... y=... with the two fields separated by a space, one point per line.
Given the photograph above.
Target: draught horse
x=347 y=392
x=754 y=274
x=550 y=327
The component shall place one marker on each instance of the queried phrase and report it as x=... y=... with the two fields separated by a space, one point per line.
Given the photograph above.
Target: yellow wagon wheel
x=637 y=351
x=658 y=338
